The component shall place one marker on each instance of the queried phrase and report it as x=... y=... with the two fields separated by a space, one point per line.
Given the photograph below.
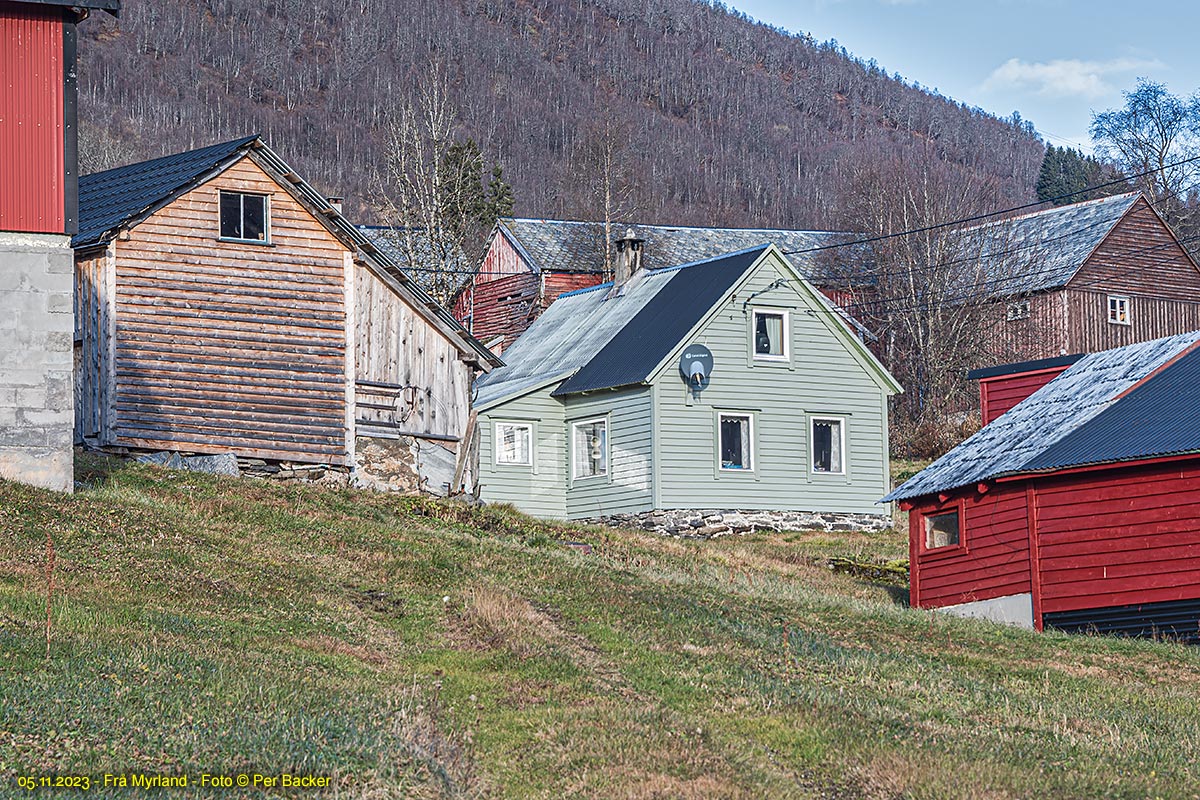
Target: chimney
x=629 y=257
x=336 y=202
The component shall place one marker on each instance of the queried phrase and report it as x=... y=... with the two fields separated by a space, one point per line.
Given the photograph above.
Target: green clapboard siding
x=628 y=486
x=823 y=378
x=539 y=490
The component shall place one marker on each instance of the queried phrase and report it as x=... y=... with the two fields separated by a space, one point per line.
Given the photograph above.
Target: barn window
x=514 y=443
x=828 y=445
x=1118 y=310
x=243 y=216
x=770 y=335
x=589 y=445
x=1018 y=309
x=941 y=530
x=736 y=434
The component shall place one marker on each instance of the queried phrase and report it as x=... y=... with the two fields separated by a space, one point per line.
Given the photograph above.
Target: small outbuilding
x=721 y=395
x=1079 y=508
x=224 y=306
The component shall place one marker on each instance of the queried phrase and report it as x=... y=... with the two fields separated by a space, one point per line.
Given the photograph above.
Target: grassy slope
x=210 y=625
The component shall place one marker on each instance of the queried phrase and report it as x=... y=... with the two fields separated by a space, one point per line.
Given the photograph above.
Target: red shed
x=1079 y=509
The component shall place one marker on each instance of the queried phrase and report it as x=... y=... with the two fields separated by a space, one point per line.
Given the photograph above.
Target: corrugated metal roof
x=580 y=326
x=1030 y=431
x=1045 y=249
x=631 y=356
x=110 y=199
x=569 y=246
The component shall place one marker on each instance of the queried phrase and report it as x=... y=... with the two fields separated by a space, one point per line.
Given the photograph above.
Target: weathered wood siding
x=1139 y=259
x=559 y=283
x=232 y=346
x=628 y=486
x=1119 y=537
x=409 y=377
x=504 y=307
x=539 y=489
x=1042 y=334
x=823 y=378
x=94 y=323
x=993 y=559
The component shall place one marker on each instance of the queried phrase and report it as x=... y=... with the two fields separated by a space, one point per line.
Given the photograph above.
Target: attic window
x=1018 y=309
x=770 y=335
x=243 y=217
x=1118 y=310
x=941 y=530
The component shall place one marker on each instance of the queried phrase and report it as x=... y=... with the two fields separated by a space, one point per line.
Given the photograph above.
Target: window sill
x=938 y=553
x=255 y=242
x=1118 y=322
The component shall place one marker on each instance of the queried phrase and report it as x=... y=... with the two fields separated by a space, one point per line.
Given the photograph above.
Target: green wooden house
x=593 y=417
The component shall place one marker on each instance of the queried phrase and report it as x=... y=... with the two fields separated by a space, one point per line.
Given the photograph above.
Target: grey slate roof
x=110 y=199
x=1045 y=249
x=1086 y=415
x=567 y=246
x=596 y=342
x=390 y=241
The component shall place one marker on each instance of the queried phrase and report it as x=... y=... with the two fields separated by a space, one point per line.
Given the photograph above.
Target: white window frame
x=1018 y=309
x=753 y=465
x=242 y=207
x=812 y=443
x=787 y=334
x=528 y=426
x=1115 y=303
x=607 y=449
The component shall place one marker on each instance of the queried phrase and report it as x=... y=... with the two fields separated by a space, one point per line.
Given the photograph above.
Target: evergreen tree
x=1066 y=173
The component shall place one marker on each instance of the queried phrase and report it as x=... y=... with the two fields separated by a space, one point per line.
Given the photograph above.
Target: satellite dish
x=696 y=365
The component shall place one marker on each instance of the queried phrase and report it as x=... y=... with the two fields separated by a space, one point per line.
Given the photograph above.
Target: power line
x=978 y=217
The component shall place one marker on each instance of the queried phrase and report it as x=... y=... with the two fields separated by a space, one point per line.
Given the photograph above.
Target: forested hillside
x=719 y=121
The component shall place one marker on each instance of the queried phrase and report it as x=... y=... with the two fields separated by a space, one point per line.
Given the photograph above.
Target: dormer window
x=244 y=217
x=770 y=336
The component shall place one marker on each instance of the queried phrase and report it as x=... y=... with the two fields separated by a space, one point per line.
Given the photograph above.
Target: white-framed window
x=514 y=443
x=589 y=448
x=244 y=217
x=770 y=335
x=828 y=437
x=942 y=530
x=1118 y=310
x=1018 y=309
x=735 y=442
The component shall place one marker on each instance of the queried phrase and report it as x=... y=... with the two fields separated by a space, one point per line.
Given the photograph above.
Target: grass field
x=407 y=648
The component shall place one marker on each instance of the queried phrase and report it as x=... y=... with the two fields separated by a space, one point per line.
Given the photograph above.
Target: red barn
x=1079 y=509
x=38 y=201
x=529 y=263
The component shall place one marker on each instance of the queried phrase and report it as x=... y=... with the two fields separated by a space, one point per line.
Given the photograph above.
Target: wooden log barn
x=1079 y=508
x=224 y=306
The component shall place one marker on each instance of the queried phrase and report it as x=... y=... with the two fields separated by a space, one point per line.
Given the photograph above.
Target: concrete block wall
x=37 y=403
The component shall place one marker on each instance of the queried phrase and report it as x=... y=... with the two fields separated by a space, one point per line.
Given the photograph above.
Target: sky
x=1053 y=61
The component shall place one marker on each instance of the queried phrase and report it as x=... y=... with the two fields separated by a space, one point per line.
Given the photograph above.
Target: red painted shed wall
x=31 y=119
x=504 y=307
x=1119 y=536
x=993 y=559
x=559 y=283
x=997 y=395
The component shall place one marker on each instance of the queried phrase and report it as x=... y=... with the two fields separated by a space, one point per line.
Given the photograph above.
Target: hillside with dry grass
x=404 y=647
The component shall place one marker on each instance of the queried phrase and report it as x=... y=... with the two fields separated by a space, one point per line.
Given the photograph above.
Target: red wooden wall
x=992 y=559
x=1119 y=537
x=559 y=283
x=32 y=173
x=997 y=395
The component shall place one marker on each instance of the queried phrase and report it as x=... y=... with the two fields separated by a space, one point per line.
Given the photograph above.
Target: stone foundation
x=405 y=464
x=707 y=523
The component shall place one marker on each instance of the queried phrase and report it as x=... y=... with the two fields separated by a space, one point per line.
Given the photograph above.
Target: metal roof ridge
x=1056 y=209
x=710 y=259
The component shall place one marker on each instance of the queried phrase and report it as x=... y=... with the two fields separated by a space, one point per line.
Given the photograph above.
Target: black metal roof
x=632 y=355
x=1023 y=366
x=110 y=199
x=1159 y=417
